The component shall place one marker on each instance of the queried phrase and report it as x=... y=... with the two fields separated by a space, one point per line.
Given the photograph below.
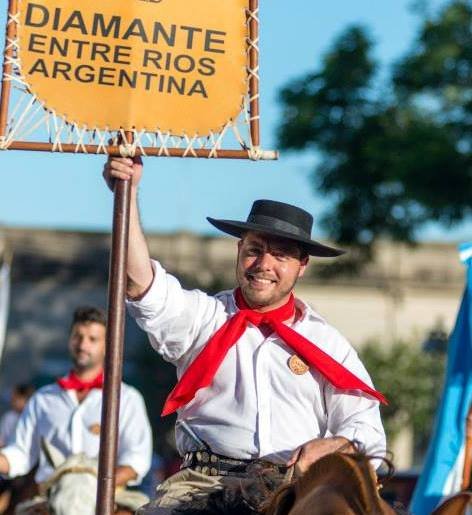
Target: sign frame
x=164 y=145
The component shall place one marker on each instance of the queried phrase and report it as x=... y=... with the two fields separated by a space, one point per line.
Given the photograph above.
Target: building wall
x=362 y=313
x=402 y=294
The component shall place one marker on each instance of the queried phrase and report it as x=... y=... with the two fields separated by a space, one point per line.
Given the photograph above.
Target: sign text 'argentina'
x=176 y=66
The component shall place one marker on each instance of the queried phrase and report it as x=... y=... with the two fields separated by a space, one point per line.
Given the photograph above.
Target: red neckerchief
x=72 y=382
x=203 y=368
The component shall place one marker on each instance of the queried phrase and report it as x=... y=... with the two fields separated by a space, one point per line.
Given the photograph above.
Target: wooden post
x=468 y=452
x=7 y=66
x=114 y=349
x=254 y=72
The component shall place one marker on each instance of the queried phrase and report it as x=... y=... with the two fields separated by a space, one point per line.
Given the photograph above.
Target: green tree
x=412 y=381
x=393 y=157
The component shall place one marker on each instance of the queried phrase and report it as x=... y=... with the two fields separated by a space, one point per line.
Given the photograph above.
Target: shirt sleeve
x=172 y=316
x=135 y=438
x=23 y=451
x=355 y=415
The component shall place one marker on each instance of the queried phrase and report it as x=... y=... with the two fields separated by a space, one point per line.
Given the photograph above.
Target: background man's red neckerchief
x=72 y=382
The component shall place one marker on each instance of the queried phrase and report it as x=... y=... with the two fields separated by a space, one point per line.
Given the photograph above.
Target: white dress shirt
x=56 y=415
x=256 y=406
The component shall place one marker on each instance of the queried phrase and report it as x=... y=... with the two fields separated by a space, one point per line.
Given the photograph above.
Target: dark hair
x=304 y=254
x=24 y=390
x=87 y=315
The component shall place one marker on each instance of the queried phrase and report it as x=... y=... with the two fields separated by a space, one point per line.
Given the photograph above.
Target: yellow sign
x=177 y=66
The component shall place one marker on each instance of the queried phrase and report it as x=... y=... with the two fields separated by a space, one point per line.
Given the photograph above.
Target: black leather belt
x=212 y=464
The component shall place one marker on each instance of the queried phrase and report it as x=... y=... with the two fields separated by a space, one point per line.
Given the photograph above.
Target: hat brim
x=235 y=228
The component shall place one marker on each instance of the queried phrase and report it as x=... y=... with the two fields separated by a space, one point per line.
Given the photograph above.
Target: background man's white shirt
x=56 y=415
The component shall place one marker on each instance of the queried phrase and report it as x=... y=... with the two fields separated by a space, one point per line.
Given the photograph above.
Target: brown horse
x=346 y=484
x=337 y=484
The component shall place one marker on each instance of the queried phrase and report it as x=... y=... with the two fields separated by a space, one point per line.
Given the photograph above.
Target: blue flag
x=444 y=460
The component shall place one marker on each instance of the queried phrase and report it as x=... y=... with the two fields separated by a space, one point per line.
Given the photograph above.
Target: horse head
x=72 y=487
x=336 y=483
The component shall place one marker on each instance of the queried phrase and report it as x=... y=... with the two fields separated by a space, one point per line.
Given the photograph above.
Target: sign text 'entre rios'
x=175 y=65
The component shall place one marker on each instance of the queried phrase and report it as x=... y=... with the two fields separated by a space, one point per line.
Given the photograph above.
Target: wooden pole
x=7 y=66
x=114 y=349
x=468 y=452
x=254 y=113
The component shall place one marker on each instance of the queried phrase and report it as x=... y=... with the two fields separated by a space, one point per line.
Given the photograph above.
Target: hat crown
x=271 y=212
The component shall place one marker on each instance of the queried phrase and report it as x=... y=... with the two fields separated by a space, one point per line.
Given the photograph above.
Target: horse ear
x=53 y=454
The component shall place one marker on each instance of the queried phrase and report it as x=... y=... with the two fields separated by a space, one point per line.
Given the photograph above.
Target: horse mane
x=351 y=474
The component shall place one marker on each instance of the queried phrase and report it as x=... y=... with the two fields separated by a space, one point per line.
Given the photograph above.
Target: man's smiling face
x=267 y=269
x=87 y=346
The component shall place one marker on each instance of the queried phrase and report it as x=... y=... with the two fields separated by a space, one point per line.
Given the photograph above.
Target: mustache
x=258 y=275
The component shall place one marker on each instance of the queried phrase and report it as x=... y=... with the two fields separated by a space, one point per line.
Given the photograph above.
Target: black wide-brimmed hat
x=281 y=220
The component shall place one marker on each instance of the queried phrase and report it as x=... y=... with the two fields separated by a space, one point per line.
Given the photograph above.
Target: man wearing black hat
x=262 y=378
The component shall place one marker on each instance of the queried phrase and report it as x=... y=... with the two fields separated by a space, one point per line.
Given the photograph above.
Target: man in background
x=67 y=413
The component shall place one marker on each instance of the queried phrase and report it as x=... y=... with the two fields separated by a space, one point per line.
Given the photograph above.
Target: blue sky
x=66 y=191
